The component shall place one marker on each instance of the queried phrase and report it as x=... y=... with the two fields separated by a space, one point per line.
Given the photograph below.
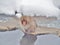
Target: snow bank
x=29 y=7
x=7 y=6
x=39 y=7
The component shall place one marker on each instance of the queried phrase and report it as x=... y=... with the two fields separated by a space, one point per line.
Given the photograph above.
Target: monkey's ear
x=19 y=15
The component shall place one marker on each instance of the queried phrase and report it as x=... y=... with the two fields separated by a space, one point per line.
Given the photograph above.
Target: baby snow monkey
x=27 y=24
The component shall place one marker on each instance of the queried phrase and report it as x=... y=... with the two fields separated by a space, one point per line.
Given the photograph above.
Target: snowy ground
x=30 y=7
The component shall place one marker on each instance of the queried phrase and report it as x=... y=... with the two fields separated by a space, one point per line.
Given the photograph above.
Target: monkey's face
x=28 y=24
x=24 y=22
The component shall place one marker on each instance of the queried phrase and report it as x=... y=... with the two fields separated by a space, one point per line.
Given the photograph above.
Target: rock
x=7 y=28
x=3 y=28
x=10 y=28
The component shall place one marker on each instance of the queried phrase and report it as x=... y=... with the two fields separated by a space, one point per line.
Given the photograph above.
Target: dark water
x=28 y=39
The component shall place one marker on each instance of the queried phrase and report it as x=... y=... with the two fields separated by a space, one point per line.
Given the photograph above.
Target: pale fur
x=32 y=27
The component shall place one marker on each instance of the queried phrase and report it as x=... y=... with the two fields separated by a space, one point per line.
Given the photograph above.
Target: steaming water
x=19 y=38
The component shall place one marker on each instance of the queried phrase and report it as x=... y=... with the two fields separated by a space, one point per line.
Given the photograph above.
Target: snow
x=30 y=7
x=7 y=6
x=18 y=15
x=39 y=7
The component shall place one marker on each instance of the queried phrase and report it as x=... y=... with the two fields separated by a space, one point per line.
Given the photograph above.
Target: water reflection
x=28 y=39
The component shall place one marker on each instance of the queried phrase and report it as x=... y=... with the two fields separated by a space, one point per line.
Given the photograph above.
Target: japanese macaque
x=29 y=26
